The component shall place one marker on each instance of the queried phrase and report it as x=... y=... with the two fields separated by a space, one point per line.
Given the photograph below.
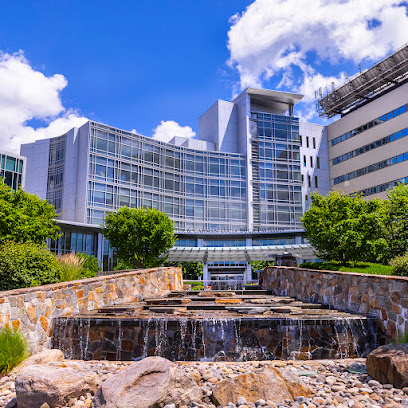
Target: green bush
x=399 y=265
x=26 y=264
x=90 y=265
x=358 y=267
x=403 y=338
x=13 y=349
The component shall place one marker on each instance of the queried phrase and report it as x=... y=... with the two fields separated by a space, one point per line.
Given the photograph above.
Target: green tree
x=345 y=228
x=191 y=270
x=140 y=236
x=396 y=222
x=25 y=218
x=27 y=264
x=261 y=265
x=90 y=265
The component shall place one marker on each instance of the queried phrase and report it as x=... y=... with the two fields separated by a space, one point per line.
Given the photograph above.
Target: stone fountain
x=217 y=326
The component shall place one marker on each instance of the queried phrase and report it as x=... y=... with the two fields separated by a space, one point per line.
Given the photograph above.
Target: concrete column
x=248 y=273
x=206 y=275
x=99 y=253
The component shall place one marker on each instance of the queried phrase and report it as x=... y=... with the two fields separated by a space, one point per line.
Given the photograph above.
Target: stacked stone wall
x=32 y=310
x=385 y=297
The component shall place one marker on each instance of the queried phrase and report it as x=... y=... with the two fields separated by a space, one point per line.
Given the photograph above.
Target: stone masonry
x=385 y=297
x=32 y=309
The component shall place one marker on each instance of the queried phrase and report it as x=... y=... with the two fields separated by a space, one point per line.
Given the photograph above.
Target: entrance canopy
x=244 y=253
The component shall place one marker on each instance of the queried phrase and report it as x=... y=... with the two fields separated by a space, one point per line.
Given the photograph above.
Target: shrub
x=71 y=267
x=13 y=349
x=358 y=267
x=399 y=265
x=90 y=265
x=26 y=264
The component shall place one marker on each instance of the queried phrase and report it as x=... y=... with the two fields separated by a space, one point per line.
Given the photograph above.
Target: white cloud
x=272 y=36
x=168 y=129
x=27 y=94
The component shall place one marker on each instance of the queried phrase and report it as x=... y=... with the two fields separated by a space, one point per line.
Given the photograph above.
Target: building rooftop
x=363 y=87
x=276 y=100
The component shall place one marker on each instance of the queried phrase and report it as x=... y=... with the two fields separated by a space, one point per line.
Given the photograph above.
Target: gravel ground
x=334 y=384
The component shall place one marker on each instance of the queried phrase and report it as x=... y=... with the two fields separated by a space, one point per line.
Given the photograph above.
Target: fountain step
x=226 y=306
x=238 y=292
x=167 y=310
x=167 y=301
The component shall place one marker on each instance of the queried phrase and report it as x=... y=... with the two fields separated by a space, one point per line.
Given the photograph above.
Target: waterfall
x=217 y=338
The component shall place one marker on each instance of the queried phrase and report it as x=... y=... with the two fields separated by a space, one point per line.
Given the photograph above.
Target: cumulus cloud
x=168 y=129
x=272 y=36
x=27 y=94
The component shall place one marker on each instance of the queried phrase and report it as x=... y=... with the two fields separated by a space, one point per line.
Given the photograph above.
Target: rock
x=389 y=364
x=12 y=403
x=241 y=401
x=54 y=384
x=151 y=382
x=268 y=384
x=45 y=356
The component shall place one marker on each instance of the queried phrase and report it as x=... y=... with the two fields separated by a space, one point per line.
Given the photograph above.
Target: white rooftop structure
x=239 y=254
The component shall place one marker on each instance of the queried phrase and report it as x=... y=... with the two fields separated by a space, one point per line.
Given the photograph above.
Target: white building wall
x=314 y=161
x=36 y=167
x=359 y=117
x=218 y=125
x=70 y=175
x=82 y=141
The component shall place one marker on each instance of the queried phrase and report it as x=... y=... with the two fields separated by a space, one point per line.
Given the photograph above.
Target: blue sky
x=133 y=64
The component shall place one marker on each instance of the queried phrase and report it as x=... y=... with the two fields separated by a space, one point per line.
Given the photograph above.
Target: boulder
x=54 y=384
x=45 y=356
x=150 y=383
x=268 y=384
x=389 y=364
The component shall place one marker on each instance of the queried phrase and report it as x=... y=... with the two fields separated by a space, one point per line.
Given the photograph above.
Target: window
x=307 y=141
x=316 y=184
x=311 y=161
x=301 y=141
x=304 y=161
x=309 y=181
x=369 y=125
x=364 y=149
x=318 y=162
x=314 y=143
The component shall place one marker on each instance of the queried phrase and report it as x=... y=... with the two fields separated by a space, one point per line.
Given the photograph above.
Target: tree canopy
x=345 y=228
x=140 y=236
x=396 y=222
x=24 y=217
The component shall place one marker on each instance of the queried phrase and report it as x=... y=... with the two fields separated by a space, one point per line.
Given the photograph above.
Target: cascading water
x=218 y=334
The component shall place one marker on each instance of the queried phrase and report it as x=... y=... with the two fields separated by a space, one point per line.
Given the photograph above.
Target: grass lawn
x=359 y=267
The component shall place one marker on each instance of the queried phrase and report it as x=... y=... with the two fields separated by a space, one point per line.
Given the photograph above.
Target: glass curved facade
x=199 y=190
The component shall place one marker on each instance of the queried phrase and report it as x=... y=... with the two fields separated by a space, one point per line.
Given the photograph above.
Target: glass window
x=10 y=163
x=101 y=144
